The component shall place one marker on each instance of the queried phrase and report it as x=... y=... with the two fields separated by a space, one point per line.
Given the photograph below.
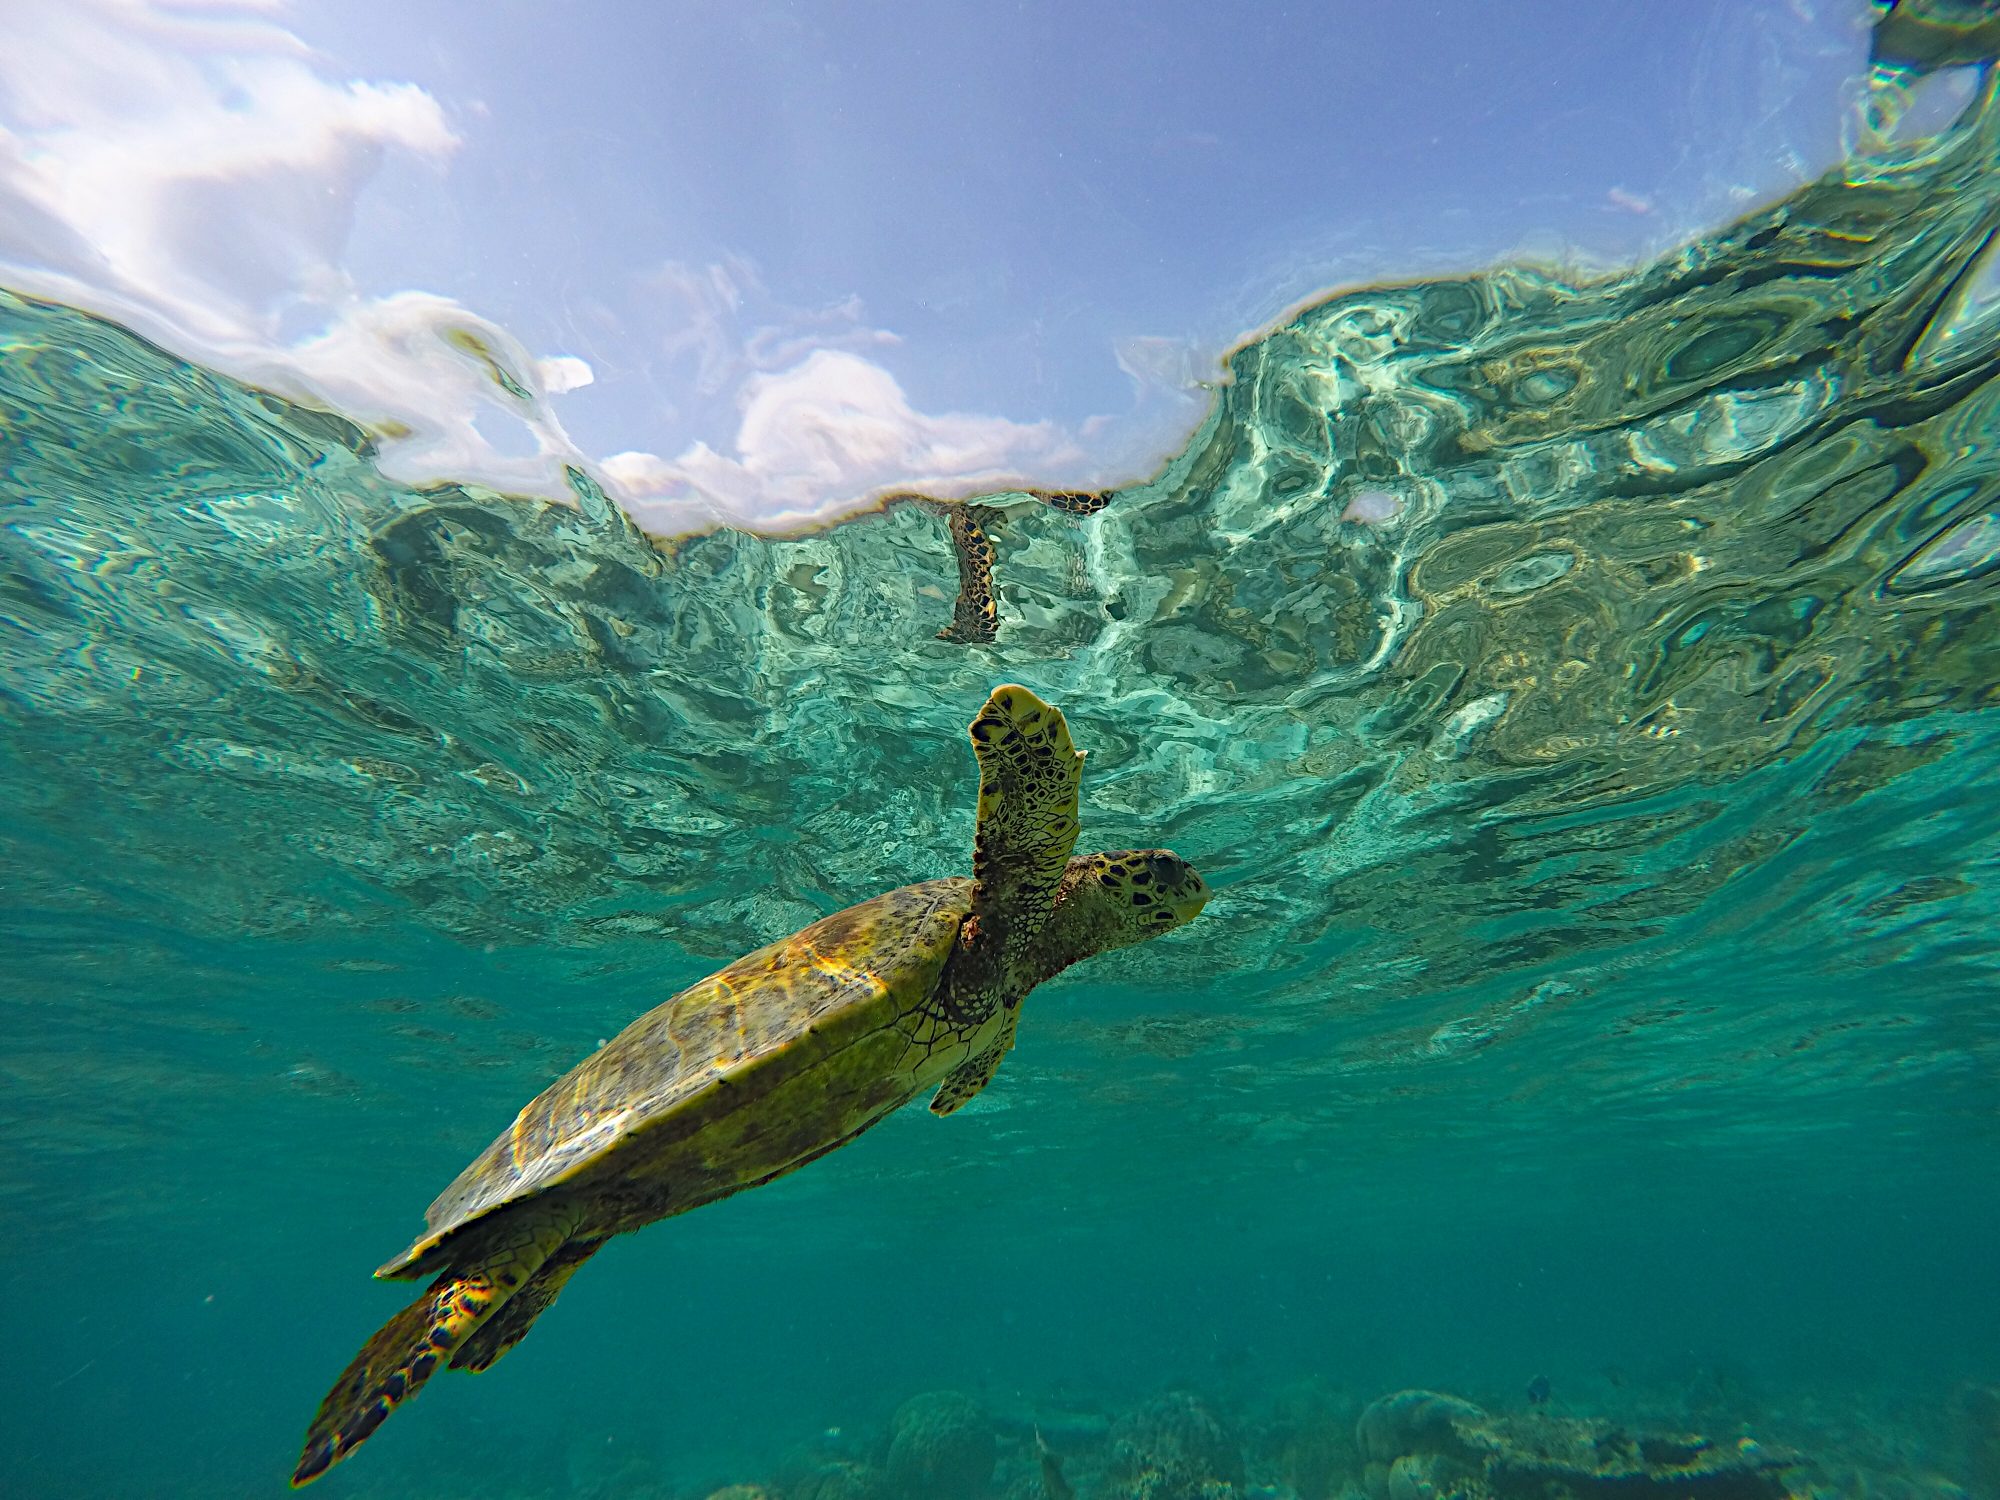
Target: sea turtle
x=773 y=1061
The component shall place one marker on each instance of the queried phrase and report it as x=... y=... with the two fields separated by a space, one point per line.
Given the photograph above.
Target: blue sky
x=805 y=252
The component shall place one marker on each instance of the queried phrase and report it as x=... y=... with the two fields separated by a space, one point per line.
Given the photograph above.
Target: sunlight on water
x=1577 y=693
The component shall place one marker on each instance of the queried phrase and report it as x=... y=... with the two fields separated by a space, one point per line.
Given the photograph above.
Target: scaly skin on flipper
x=517 y=1314
x=393 y=1365
x=1030 y=776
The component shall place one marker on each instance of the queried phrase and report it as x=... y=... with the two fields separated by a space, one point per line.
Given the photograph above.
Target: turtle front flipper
x=1029 y=777
x=510 y=1324
x=393 y=1365
x=972 y=1075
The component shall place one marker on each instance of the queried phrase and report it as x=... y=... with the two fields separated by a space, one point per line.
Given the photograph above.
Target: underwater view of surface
x=1576 y=692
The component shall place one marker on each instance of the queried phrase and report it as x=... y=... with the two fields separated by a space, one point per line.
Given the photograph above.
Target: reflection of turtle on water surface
x=975 y=614
x=760 y=1068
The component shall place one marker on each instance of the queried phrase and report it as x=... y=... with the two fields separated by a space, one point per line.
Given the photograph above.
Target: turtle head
x=1115 y=899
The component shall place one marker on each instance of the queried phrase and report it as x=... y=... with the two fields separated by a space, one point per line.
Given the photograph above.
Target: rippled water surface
x=1578 y=692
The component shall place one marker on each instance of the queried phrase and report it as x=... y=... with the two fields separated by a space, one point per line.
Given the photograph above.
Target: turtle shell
x=740 y=1033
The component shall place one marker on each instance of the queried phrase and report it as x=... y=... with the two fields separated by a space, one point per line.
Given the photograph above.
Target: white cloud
x=820 y=427
x=208 y=168
x=563 y=373
x=191 y=169
x=833 y=427
x=424 y=371
x=188 y=170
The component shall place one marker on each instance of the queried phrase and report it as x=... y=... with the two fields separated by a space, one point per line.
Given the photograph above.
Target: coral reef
x=941 y=1447
x=1173 y=1447
x=841 y=1479
x=1310 y=1440
x=1306 y=1443
x=1411 y=1424
x=1419 y=1445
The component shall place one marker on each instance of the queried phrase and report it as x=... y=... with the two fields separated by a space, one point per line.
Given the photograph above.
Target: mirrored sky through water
x=758 y=263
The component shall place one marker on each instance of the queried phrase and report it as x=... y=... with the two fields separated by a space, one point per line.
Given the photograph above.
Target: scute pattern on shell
x=714 y=1031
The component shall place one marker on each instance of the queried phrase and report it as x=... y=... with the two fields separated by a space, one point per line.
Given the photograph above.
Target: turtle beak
x=1189 y=902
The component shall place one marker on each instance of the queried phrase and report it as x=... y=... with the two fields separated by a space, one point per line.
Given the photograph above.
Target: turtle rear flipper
x=393 y=1365
x=510 y=1324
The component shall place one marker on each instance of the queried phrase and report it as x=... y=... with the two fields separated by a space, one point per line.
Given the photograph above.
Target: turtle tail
x=406 y=1350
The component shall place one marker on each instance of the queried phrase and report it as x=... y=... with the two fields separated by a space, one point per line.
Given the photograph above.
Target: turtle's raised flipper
x=972 y=1075
x=1029 y=776
x=405 y=1351
x=510 y=1324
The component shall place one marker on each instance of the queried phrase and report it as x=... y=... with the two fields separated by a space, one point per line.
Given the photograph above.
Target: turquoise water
x=1577 y=691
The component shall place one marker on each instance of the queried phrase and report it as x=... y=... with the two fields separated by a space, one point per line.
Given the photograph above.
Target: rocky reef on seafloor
x=1173 y=1447
x=834 y=1479
x=941 y=1447
x=1305 y=1441
x=1310 y=1440
x=1419 y=1445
